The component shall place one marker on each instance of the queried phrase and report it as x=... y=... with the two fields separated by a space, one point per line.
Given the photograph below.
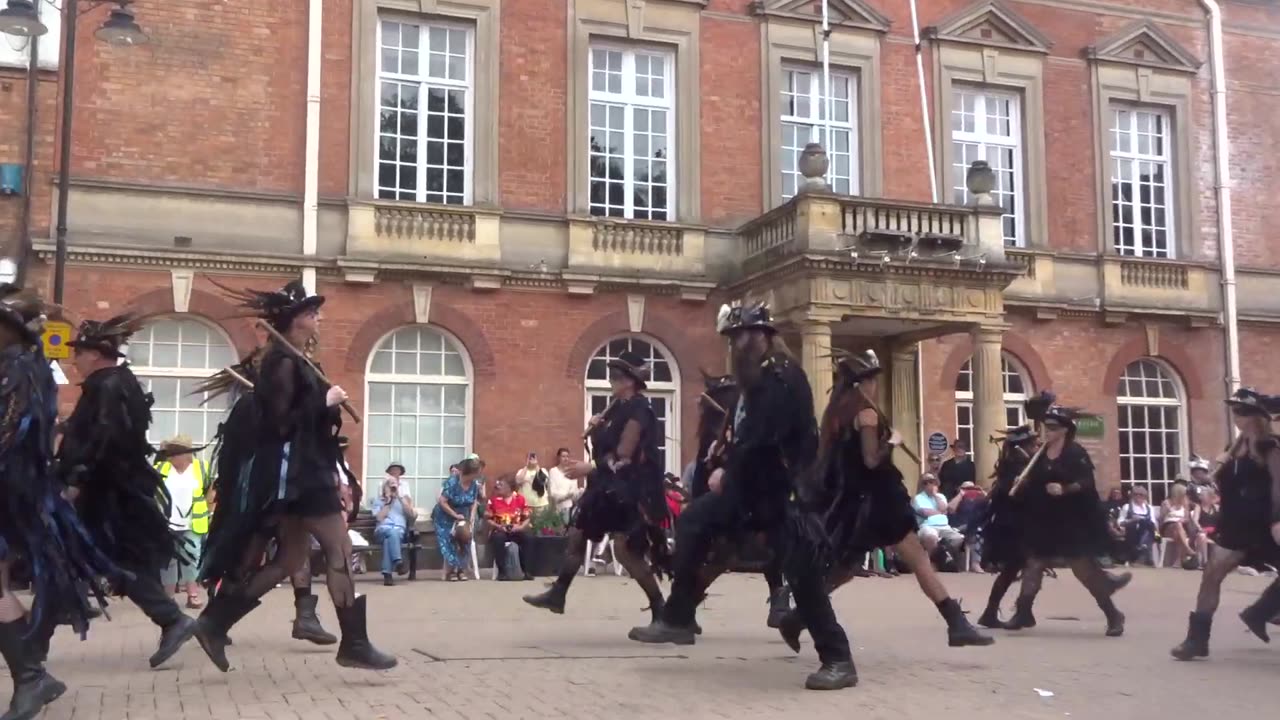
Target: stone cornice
x=994 y=274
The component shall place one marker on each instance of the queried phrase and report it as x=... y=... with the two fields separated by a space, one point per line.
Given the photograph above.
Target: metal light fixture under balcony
x=21 y=18
x=121 y=28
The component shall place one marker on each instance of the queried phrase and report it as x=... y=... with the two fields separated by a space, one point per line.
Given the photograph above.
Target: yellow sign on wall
x=56 y=337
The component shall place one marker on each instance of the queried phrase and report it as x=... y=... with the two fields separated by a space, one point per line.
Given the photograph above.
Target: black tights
x=636 y=567
x=1001 y=586
x=294 y=549
x=1086 y=569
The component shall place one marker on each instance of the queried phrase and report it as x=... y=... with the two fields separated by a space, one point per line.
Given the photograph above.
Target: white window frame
x=816 y=123
x=15 y=52
x=373 y=475
x=147 y=373
x=1133 y=159
x=629 y=100
x=1124 y=402
x=987 y=144
x=425 y=83
x=669 y=391
x=1016 y=402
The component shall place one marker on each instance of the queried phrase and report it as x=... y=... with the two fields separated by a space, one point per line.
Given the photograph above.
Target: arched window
x=418 y=398
x=171 y=356
x=1017 y=385
x=1150 y=423
x=663 y=390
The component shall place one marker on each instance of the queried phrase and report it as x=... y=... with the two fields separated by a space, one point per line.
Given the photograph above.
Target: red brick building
x=441 y=170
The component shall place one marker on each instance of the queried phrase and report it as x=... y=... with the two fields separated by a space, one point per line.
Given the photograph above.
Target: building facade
x=498 y=195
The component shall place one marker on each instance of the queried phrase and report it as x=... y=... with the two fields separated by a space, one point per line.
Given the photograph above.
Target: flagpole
x=924 y=102
x=826 y=85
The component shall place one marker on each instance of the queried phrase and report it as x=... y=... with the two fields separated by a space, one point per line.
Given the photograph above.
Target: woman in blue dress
x=454 y=517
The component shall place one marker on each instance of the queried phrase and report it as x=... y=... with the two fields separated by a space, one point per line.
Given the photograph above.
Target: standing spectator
x=1200 y=478
x=509 y=515
x=187 y=480
x=531 y=483
x=958 y=470
x=393 y=509
x=454 y=516
x=563 y=490
x=934 y=465
x=1138 y=520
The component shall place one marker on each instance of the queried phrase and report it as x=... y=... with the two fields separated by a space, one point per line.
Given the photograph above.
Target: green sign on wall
x=1090 y=427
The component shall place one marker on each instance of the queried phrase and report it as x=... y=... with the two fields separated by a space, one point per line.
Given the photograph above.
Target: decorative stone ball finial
x=813 y=166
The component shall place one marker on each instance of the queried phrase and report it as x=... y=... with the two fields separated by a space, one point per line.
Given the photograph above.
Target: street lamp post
x=20 y=18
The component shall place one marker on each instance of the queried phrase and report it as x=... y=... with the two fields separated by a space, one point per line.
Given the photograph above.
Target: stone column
x=905 y=414
x=815 y=358
x=988 y=397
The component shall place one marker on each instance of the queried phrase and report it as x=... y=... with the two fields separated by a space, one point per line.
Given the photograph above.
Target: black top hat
x=278 y=307
x=1065 y=416
x=1248 y=401
x=1037 y=406
x=22 y=312
x=633 y=366
x=1019 y=435
x=717 y=382
x=737 y=317
x=856 y=367
x=107 y=337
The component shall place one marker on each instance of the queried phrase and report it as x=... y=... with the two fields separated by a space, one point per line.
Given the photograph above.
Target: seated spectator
x=531 y=484
x=931 y=514
x=394 y=513
x=564 y=491
x=1138 y=520
x=454 y=516
x=509 y=516
x=965 y=512
x=1200 y=478
x=1210 y=515
x=1178 y=523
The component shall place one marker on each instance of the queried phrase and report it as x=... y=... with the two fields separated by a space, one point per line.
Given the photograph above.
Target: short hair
x=470 y=466
x=562 y=450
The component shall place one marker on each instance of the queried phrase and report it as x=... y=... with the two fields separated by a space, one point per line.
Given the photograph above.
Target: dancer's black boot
x=224 y=610
x=1115 y=618
x=553 y=598
x=1022 y=615
x=833 y=676
x=960 y=632
x=1197 y=643
x=356 y=651
x=306 y=624
x=779 y=606
x=1257 y=615
x=33 y=688
x=790 y=627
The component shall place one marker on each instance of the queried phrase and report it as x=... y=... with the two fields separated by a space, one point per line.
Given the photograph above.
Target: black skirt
x=1245 y=524
x=1002 y=541
x=601 y=512
x=874 y=511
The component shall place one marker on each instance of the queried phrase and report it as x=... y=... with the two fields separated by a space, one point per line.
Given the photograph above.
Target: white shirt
x=182 y=488
x=561 y=489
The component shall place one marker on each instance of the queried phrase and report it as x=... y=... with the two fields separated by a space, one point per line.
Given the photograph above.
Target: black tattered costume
x=624 y=497
x=283 y=483
x=122 y=499
x=38 y=526
x=773 y=439
x=1002 y=526
x=1249 y=525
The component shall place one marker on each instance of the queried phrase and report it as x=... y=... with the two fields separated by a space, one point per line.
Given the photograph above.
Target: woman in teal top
x=455 y=514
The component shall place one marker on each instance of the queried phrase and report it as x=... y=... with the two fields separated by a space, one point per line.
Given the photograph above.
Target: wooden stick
x=276 y=334
x=1026 y=471
x=714 y=404
x=885 y=418
x=237 y=376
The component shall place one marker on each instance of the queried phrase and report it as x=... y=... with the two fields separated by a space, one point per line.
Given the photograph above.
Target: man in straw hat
x=187 y=479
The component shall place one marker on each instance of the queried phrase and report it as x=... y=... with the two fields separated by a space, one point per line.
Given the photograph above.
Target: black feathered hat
x=1248 y=401
x=278 y=307
x=1019 y=435
x=853 y=368
x=1037 y=406
x=24 y=312
x=736 y=317
x=633 y=366
x=108 y=337
x=1065 y=416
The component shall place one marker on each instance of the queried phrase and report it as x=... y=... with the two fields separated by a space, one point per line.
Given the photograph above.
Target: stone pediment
x=843 y=13
x=1144 y=43
x=990 y=23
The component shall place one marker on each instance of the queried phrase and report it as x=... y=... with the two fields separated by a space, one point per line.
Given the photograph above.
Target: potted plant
x=545 y=549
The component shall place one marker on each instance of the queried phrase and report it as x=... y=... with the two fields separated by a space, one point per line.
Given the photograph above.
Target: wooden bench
x=365 y=524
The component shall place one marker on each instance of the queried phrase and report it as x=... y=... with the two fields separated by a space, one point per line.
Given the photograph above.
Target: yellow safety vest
x=199 y=506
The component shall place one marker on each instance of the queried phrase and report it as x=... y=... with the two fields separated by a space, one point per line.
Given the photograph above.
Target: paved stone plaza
x=473 y=651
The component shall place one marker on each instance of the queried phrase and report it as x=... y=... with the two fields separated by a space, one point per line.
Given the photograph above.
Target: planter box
x=543 y=555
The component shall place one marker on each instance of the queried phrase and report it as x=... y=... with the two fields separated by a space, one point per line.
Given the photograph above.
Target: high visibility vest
x=199 y=506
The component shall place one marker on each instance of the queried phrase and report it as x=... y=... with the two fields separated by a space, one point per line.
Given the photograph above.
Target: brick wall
x=13 y=149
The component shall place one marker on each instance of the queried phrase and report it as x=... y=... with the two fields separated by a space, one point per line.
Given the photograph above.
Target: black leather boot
x=1197 y=643
x=552 y=599
x=1115 y=618
x=1022 y=615
x=224 y=610
x=356 y=651
x=791 y=627
x=833 y=676
x=172 y=638
x=960 y=632
x=991 y=618
x=33 y=688
x=779 y=606
x=1262 y=611
x=659 y=632
x=1117 y=581
x=306 y=624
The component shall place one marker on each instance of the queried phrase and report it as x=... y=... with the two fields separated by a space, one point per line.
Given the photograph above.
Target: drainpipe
x=311 y=182
x=924 y=101
x=1222 y=151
